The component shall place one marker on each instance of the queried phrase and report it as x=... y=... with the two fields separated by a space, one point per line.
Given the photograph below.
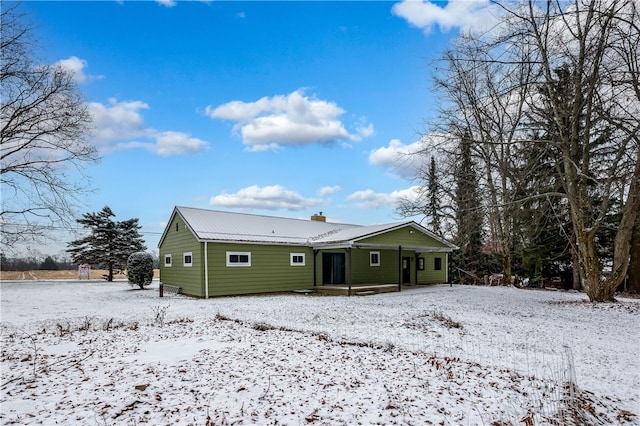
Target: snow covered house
x=215 y=253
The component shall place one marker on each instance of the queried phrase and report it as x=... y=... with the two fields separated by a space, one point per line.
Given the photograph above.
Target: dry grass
x=58 y=275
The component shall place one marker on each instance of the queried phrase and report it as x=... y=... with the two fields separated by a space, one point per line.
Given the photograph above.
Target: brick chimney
x=319 y=217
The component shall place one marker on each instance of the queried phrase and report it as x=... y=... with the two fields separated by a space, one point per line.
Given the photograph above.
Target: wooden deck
x=356 y=289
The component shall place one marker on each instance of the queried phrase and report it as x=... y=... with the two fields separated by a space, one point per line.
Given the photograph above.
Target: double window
x=238 y=258
x=297 y=259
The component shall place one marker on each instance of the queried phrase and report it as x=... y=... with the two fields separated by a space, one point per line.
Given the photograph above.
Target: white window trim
x=184 y=263
x=297 y=263
x=167 y=256
x=237 y=264
x=371 y=263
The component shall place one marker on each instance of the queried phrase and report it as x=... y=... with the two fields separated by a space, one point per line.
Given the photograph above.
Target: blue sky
x=278 y=108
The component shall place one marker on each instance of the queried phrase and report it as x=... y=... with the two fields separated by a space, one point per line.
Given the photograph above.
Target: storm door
x=333 y=268
x=406 y=270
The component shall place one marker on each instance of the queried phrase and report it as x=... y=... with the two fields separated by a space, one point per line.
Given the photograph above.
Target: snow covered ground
x=97 y=353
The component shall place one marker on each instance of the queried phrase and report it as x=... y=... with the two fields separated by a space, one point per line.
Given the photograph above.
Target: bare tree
x=44 y=124
x=564 y=74
x=587 y=52
x=485 y=101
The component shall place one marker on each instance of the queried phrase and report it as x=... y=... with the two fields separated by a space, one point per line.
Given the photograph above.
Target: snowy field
x=97 y=353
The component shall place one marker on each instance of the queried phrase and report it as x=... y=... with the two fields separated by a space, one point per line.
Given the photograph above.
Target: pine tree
x=469 y=215
x=49 y=264
x=108 y=243
x=433 y=202
x=633 y=286
x=140 y=269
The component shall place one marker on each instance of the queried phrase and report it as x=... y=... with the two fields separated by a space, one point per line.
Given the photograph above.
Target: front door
x=333 y=268
x=406 y=270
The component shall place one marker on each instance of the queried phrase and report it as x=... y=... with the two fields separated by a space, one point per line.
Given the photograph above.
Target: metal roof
x=220 y=226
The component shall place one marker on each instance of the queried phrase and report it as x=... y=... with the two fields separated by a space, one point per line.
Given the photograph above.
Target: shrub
x=140 y=269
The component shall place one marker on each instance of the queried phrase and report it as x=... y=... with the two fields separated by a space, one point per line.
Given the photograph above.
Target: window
x=297 y=259
x=177 y=227
x=167 y=260
x=437 y=263
x=237 y=258
x=187 y=259
x=421 y=264
x=374 y=258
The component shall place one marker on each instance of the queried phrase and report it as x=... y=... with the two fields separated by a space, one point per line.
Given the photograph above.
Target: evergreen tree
x=543 y=225
x=433 y=202
x=469 y=216
x=49 y=264
x=108 y=243
x=140 y=269
x=633 y=285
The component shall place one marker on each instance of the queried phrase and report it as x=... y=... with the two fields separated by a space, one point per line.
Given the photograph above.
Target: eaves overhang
x=366 y=246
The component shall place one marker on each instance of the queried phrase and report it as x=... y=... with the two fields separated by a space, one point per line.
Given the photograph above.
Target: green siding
x=430 y=275
x=405 y=236
x=363 y=273
x=176 y=243
x=270 y=269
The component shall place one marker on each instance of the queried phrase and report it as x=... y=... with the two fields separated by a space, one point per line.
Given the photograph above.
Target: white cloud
x=365 y=130
x=120 y=125
x=272 y=197
x=399 y=158
x=174 y=143
x=166 y=3
x=293 y=119
x=468 y=15
x=169 y=143
x=369 y=199
x=118 y=120
x=328 y=190
x=77 y=66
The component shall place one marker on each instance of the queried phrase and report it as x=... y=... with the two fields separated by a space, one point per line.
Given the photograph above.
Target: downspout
x=349 y=270
x=206 y=272
x=315 y=255
x=399 y=268
x=446 y=271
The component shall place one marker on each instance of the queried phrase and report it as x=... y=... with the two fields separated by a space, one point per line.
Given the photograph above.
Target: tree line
x=49 y=263
x=534 y=163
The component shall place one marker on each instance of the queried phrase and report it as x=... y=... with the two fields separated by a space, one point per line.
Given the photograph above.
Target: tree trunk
x=603 y=289
x=633 y=285
x=590 y=269
x=506 y=268
x=575 y=266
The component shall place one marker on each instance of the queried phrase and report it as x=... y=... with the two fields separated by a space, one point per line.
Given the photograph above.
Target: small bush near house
x=140 y=269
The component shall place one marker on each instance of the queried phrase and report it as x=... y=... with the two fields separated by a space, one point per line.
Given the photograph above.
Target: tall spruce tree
x=633 y=285
x=469 y=217
x=543 y=225
x=108 y=242
x=433 y=202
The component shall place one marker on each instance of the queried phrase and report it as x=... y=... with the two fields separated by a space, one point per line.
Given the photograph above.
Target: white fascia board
x=255 y=243
x=417 y=249
x=332 y=246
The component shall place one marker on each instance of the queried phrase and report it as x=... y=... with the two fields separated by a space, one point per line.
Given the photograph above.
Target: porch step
x=356 y=290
